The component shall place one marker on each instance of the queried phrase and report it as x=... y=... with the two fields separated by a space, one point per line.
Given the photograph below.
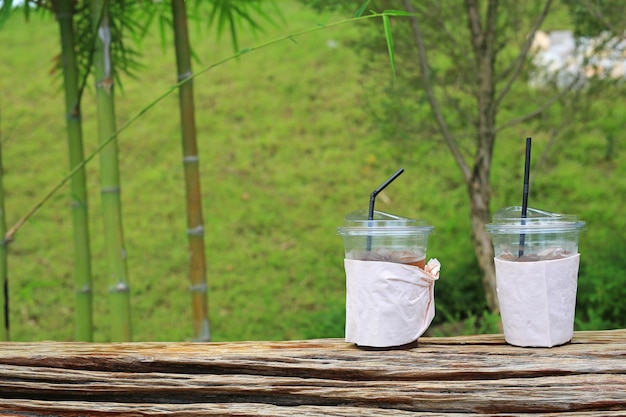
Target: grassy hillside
x=287 y=148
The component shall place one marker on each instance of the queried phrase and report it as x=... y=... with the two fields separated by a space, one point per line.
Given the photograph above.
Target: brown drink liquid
x=550 y=255
x=420 y=263
x=398 y=257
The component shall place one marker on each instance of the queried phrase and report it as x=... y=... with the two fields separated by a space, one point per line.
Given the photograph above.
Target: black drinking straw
x=370 y=215
x=525 y=195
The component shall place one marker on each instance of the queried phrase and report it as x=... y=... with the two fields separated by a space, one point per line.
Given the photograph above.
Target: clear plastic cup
x=536 y=262
x=386 y=238
x=540 y=236
x=389 y=303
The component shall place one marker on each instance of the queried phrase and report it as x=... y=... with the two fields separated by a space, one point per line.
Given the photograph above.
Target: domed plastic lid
x=509 y=220
x=357 y=223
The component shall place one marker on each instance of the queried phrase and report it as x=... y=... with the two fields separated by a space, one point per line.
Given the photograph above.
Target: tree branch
x=454 y=48
x=600 y=16
x=566 y=90
x=430 y=94
x=532 y=114
x=554 y=134
x=524 y=53
x=474 y=24
x=483 y=39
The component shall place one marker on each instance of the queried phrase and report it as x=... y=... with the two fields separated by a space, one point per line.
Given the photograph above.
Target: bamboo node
x=202 y=288
x=106 y=85
x=77 y=204
x=191 y=159
x=196 y=231
x=120 y=287
x=184 y=76
x=86 y=289
x=73 y=115
x=110 y=190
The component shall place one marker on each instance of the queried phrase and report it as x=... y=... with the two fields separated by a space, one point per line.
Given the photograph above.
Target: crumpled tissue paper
x=388 y=304
x=537 y=300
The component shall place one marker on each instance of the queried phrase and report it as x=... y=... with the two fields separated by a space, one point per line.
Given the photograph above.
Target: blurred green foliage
x=592 y=18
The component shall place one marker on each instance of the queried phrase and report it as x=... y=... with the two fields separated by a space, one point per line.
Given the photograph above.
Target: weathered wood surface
x=455 y=376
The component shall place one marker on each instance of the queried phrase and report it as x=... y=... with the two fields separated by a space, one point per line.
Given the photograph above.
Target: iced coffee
x=536 y=262
x=389 y=286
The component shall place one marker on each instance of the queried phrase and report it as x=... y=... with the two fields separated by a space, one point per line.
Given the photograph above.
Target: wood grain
x=325 y=377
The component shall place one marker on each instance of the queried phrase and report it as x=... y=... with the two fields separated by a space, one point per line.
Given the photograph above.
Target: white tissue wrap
x=388 y=304
x=537 y=300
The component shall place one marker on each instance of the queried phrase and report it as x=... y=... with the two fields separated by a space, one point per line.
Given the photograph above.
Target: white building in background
x=16 y=3
x=568 y=61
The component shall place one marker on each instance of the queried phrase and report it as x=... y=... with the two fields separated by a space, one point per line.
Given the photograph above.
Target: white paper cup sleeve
x=388 y=304
x=537 y=300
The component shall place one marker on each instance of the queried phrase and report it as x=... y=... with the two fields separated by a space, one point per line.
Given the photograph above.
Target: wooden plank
x=442 y=376
x=76 y=409
x=513 y=395
x=330 y=359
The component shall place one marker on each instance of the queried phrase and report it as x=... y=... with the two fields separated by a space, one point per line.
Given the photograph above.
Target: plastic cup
x=386 y=238
x=389 y=297
x=536 y=261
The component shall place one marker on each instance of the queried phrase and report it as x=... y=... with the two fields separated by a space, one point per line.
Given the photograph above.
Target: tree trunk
x=195 y=223
x=80 y=220
x=119 y=288
x=480 y=216
x=483 y=40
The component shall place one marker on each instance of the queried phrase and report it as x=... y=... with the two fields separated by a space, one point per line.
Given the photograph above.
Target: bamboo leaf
x=361 y=9
x=238 y=15
x=162 y=27
x=5 y=11
x=233 y=32
x=397 y=13
x=224 y=17
x=213 y=13
x=388 y=36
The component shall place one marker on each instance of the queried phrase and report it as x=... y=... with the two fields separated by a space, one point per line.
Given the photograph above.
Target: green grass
x=287 y=147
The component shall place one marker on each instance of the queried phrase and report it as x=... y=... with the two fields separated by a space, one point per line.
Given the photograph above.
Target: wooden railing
x=327 y=377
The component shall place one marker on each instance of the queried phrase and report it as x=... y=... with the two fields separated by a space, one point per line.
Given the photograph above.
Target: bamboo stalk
x=4 y=279
x=80 y=220
x=195 y=224
x=119 y=288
